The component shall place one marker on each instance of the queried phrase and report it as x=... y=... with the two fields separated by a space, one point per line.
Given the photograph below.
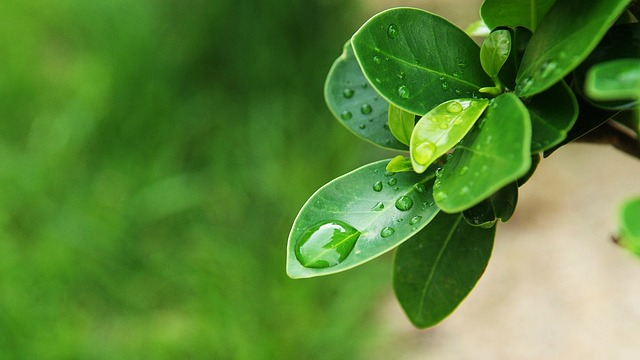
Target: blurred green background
x=153 y=156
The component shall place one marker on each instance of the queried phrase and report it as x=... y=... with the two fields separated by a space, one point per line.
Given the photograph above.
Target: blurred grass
x=153 y=155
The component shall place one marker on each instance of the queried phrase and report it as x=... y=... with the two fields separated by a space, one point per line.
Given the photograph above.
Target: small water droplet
x=385 y=126
x=463 y=170
x=457 y=121
x=366 y=109
x=388 y=173
x=484 y=168
x=462 y=64
x=348 y=93
x=465 y=190
x=419 y=188
x=362 y=126
x=392 y=181
x=392 y=31
x=414 y=220
x=402 y=75
x=440 y=195
x=378 y=80
x=364 y=85
x=458 y=92
x=378 y=206
x=346 y=115
x=454 y=107
x=403 y=91
x=377 y=186
x=443 y=126
x=424 y=152
x=548 y=68
x=326 y=244
x=396 y=188
x=386 y=232
x=445 y=86
x=404 y=203
x=370 y=120
x=377 y=60
x=456 y=75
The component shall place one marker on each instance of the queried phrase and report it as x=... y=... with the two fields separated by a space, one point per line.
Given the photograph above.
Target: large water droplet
x=346 y=115
x=388 y=231
x=424 y=152
x=454 y=107
x=414 y=220
x=377 y=186
x=348 y=93
x=326 y=244
x=403 y=91
x=392 y=31
x=378 y=206
x=377 y=59
x=404 y=203
x=366 y=109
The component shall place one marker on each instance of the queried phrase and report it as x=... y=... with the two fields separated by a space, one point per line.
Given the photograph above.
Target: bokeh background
x=153 y=155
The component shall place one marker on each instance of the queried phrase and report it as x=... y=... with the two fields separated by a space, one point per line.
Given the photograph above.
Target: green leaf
x=494 y=52
x=513 y=13
x=493 y=154
x=620 y=42
x=441 y=129
x=519 y=40
x=535 y=160
x=553 y=113
x=358 y=217
x=630 y=225
x=438 y=268
x=501 y=205
x=570 y=30
x=401 y=123
x=418 y=60
x=614 y=80
x=477 y=28
x=354 y=102
x=399 y=164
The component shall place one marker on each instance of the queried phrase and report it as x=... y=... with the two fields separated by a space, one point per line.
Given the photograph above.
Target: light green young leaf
x=553 y=113
x=401 y=123
x=513 y=13
x=358 y=217
x=438 y=268
x=494 y=52
x=399 y=164
x=441 y=129
x=570 y=30
x=629 y=236
x=418 y=60
x=356 y=104
x=495 y=153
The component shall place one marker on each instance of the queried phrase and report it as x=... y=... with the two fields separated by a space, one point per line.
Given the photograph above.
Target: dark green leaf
x=494 y=52
x=438 y=267
x=399 y=164
x=354 y=102
x=630 y=225
x=519 y=40
x=614 y=80
x=491 y=156
x=570 y=30
x=535 y=160
x=553 y=113
x=418 y=60
x=513 y=13
x=441 y=129
x=358 y=217
x=401 y=123
x=499 y=206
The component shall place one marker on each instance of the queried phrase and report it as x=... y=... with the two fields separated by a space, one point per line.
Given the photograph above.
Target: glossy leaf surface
x=614 y=80
x=513 y=13
x=493 y=154
x=499 y=206
x=553 y=113
x=401 y=123
x=378 y=211
x=570 y=30
x=418 y=60
x=519 y=40
x=437 y=268
x=441 y=129
x=630 y=225
x=399 y=164
x=494 y=52
x=354 y=102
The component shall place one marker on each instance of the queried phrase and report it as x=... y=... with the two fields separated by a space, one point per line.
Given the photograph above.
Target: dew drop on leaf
x=377 y=186
x=377 y=60
x=462 y=64
x=364 y=85
x=346 y=115
x=414 y=220
x=366 y=109
x=402 y=75
x=392 y=31
x=454 y=107
x=362 y=126
x=445 y=86
x=326 y=244
x=404 y=203
x=403 y=91
x=348 y=93
x=443 y=126
x=392 y=181
x=463 y=170
x=378 y=206
x=424 y=152
x=440 y=195
x=388 y=231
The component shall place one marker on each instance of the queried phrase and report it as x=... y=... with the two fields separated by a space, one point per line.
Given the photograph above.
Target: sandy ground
x=556 y=287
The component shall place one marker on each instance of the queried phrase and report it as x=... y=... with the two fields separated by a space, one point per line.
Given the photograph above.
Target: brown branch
x=612 y=134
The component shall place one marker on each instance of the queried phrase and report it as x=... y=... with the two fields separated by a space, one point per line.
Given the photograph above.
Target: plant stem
x=612 y=134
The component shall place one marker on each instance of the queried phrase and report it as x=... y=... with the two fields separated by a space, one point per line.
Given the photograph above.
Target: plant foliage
x=475 y=120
